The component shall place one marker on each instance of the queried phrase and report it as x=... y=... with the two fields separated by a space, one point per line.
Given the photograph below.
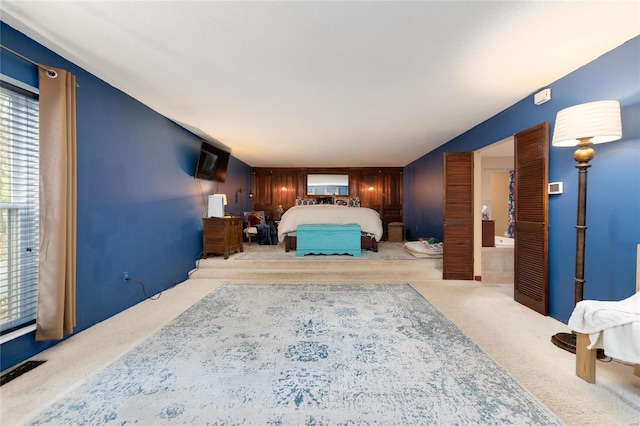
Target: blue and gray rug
x=304 y=354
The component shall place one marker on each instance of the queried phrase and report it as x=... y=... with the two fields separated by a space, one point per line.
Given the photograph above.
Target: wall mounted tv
x=212 y=163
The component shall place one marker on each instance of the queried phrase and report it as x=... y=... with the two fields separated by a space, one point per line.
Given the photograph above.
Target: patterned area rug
x=304 y=354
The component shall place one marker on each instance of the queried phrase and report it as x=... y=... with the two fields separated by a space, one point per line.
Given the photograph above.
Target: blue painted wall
x=613 y=204
x=139 y=208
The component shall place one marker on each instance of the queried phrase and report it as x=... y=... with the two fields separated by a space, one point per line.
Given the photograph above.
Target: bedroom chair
x=251 y=222
x=250 y=231
x=249 y=227
x=593 y=316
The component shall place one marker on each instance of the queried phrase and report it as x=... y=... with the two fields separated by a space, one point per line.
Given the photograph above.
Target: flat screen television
x=212 y=163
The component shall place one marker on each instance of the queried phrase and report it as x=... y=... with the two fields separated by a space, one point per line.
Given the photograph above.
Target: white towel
x=424 y=248
x=592 y=316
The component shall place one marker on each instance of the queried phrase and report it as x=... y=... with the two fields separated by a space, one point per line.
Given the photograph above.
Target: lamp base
x=567 y=341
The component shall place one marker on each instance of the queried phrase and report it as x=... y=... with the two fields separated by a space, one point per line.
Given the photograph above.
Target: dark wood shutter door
x=457 y=226
x=531 y=218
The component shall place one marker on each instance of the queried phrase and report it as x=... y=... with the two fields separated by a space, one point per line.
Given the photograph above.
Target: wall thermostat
x=555 y=188
x=542 y=97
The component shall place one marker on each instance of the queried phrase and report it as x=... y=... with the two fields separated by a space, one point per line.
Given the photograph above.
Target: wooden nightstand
x=222 y=235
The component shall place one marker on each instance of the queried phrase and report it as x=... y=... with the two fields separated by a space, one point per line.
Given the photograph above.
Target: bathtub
x=504 y=241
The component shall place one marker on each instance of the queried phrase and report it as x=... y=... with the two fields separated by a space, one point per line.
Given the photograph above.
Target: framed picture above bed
x=327 y=184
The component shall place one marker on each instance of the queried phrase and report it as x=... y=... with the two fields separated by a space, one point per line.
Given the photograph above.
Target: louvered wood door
x=531 y=218
x=457 y=225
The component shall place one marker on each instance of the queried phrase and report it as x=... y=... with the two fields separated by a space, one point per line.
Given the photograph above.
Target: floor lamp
x=582 y=126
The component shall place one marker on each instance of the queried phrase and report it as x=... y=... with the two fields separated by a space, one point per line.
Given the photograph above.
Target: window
x=327 y=184
x=19 y=207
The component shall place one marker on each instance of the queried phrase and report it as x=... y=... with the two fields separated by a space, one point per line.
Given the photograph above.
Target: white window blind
x=19 y=207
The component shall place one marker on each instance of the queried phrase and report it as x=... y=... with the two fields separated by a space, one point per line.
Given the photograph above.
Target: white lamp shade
x=600 y=121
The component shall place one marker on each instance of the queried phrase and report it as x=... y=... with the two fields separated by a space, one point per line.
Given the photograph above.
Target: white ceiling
x=327 y=84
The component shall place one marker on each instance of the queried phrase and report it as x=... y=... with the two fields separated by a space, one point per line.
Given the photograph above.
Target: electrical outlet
x=125 y=276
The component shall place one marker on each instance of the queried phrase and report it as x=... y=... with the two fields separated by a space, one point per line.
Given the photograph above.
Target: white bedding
x=328 y=214
x=612 y=326
x=621 y=342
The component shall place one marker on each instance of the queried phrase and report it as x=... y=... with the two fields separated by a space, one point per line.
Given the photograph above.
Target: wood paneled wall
x=280 y=186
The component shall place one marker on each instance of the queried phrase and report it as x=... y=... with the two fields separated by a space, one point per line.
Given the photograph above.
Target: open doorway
x=493 y=195
x=530 y=218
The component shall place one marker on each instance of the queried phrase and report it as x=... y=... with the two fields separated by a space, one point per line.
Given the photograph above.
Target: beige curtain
x=56 y=313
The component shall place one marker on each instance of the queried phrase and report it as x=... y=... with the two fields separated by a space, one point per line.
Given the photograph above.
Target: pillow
x=254 y=220
x=300 y=201
x=257 y=215
x=347 y=201
x=324 y=200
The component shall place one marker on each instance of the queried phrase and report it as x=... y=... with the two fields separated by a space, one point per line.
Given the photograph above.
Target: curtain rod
x=49 y=71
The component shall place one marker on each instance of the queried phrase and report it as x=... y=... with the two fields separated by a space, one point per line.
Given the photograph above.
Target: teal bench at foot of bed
x=328 y=239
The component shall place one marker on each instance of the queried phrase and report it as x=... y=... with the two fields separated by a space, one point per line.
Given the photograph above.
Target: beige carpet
x=516 y=337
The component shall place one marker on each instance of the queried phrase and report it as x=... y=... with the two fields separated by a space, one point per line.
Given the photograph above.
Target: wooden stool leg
x=585 y=359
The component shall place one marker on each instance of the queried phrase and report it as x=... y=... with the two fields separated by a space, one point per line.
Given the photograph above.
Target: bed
x=329 y=214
